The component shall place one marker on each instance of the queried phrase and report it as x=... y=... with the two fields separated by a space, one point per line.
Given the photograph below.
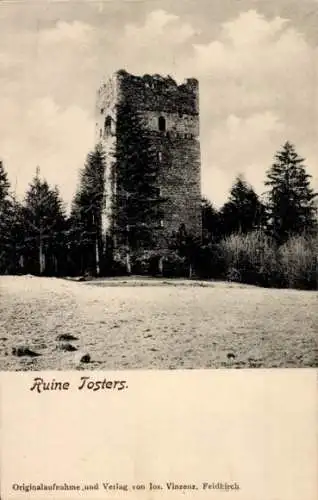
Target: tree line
x=269 y=240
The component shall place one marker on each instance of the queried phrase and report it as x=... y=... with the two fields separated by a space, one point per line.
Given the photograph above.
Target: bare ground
x=134 y=323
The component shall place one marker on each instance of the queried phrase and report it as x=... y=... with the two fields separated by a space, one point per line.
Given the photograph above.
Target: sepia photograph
x=158 y=184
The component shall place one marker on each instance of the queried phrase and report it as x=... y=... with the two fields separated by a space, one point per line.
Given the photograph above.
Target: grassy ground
x=155 y=324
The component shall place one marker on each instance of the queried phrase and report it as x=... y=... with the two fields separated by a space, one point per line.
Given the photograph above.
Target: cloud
x=257 y=89
x=257 y=57
x=46 y=118
x=251 y=27
x=48 y=136
x=76 y=32
x=160 y=26
x=240 y=145
x=47 y=104
x=156 y=45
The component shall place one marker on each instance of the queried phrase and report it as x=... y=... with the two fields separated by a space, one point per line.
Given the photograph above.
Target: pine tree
x=137 y=208
x=5 y=220
x=291 y=201
x=211 y=228
x=4 y=187
x=44 y=228
x=17 y=243
x=85 y=233
x=243 y=212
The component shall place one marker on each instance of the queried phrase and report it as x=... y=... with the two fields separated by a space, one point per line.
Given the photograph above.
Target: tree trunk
x=190 y=271
x=160 y=266
x=41 y=253
x=128 y=263
x=41 y=258
x=97 y=258
x=55 y=265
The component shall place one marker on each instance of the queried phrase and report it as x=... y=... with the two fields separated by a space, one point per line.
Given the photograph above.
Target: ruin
x=169 y=113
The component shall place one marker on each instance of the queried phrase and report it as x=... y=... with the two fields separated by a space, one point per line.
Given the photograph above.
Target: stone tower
x=169 y=115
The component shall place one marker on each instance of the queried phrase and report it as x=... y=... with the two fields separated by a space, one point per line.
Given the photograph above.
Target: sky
x=256 y=62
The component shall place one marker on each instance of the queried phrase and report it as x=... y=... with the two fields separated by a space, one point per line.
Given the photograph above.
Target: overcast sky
x=256 y=61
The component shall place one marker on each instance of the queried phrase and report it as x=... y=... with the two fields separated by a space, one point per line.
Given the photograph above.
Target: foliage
x=187 y=248
x=211 y=222
x=174 y=266
x=85 y=223
x=243 y=212
x=291 y=201
x=137 y=208
x=4 y=188
x=298 y=262
x=43 y=218
x=147 y=262
x=251 y=258
x=5 y=220
x=210 y=263
x=271 y=245
x=16 y=238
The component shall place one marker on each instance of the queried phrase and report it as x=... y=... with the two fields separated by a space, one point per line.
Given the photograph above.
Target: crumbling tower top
x=153 y=92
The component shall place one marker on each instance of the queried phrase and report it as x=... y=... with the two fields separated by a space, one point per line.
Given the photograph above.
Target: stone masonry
x=170 y=117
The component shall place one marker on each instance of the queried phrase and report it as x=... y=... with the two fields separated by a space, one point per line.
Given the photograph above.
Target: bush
x=210 y=262
x=298 y=262
x=118 y=267
x=251 y=258
x=147 y=263
x=174 y=266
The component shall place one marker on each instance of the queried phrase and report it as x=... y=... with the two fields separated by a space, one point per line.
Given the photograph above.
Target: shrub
x=298 y=262
x=118 y=266
x=174 y=266
x=146 y=263
x=251 y=258
x=210 y=262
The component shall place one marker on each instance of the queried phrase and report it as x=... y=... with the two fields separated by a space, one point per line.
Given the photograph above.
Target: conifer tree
x=243 y=212
x=137 y=209
x=44 y=227
x=211 y=228
x=5 y=220
x=291 y=200
x=85 y=233
x=4 y=187
x=17 y=243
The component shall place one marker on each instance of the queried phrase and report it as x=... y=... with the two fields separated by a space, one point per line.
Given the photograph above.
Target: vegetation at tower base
x=37 y=238
x=291 y=208
x=243 y=212
x=137 y=205
x=85 y=239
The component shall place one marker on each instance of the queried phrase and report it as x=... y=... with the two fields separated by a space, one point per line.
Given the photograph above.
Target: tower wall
x=106 y=106
x=169 y=114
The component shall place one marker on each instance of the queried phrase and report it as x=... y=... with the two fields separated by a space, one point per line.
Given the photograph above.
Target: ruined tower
x=169 y=115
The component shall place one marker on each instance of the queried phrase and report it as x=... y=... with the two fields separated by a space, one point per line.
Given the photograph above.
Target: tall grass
x=298 y=262
x=251 y=258
x=254 y=258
